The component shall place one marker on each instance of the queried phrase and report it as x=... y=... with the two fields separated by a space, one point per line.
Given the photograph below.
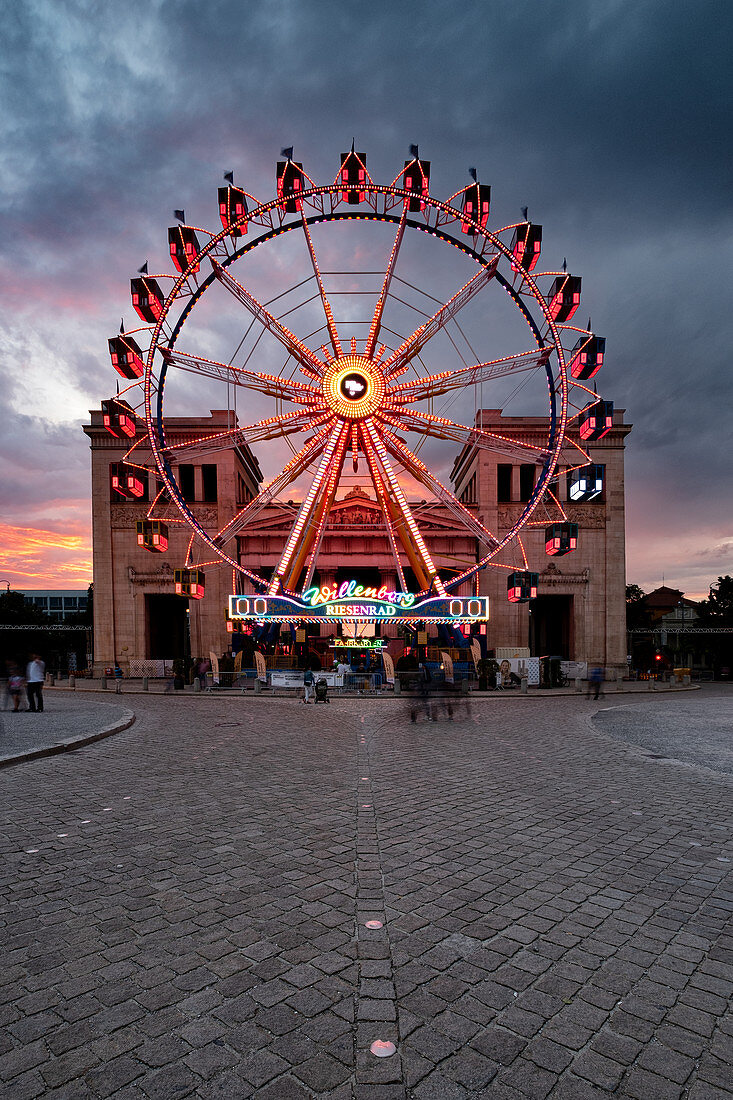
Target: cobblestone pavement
x=67 y=720
x=185 y=908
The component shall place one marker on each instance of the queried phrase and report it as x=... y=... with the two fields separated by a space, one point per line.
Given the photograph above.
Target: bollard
x=196 y=684
x=103 y=682
x=464 y=687
x=397 y=686
x=523 y=685
x=258 y=685
x=146 y=685
x=118 y=687
x=578 y=685
x=72 y=681
x=686 y=681
x=652 y=684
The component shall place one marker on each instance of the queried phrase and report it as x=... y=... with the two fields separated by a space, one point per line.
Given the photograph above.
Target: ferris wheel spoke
x=399 y=360
x=301 y=536
x=407 y=529
x=436 y=384
x=320 y=516
x=331 y=324
x=287 y=475
x=440 y=428
x=390 y=512
x=294 y=346
x=403 y=454
x=376 y=325
x=271 y=428
x=271 y=384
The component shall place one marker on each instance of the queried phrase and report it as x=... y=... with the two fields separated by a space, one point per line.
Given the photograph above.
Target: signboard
x=214 y=666
x=293 y=678
x=447 y=666
x=238 y=663
x=476 y=653
x=357 y=643
x=354 y=603
x=260 y=666
x=388 y=668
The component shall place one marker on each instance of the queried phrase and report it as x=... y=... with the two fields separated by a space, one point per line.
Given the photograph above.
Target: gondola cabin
x=290 y=185
x=596 y=420
x=476 y=203
x=521 y=586
x=152 y=534
x=560 y=539
x=127 y=481
x=184 y=247
x=564 y=297
x=526 y=246
x=126 y=356
x=586 y=483
x=147 y=298
x=587 y=357
x=118 y=418
x=353 y=177
x=232 y=207
x=417 y=180
x=189 y=582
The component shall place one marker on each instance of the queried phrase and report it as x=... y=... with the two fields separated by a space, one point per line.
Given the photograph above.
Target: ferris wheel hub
x=354 y=386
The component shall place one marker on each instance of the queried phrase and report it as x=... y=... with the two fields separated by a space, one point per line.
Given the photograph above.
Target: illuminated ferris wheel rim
x=556 y=385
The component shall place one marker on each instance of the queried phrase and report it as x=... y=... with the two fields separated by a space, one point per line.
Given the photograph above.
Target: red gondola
x=126 y=480
x=526 y=246
x=184 y=246
x=561 y=538
x=564 y=297
x=476 y=203
x=147 y=298
x=118 y=418
x=417 y=180
x=587 y=357
x=189 y=582
x=152 y=535
x=353 y=177
x=290 y=185
x=521 y=586
x=126 y=356
x=596 y=420
x=232 y=207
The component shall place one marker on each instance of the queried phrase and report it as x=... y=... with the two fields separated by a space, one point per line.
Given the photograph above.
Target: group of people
x=28 y=684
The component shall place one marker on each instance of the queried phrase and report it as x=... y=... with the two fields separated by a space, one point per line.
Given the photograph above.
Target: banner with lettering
x=260 y=666
x=476 y=653
x=238 y=663
x=447 y=666
x=214 y=666
x=388 y=668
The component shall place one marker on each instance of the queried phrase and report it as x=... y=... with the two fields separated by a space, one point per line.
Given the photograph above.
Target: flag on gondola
x=287 y=152
x=413 y=151
x=180 y=215
x=122 y=325
x=144 y=269
x=473 y=174
x=524 y=212
x=229 y=177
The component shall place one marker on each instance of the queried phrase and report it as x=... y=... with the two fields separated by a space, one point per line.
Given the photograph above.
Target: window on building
x=187 y=482
x=208 y=477
x=468 y=496
x=55 y=603
x=243 y=492
x=503 y=482
x=70 y=601
x=526 y=481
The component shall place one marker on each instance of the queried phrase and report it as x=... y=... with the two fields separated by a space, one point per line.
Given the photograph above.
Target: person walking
x=34 y=676
x=595 y=682
x=307 y=685
x=16 y=684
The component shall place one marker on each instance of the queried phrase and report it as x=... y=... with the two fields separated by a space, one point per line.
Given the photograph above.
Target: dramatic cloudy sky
x=610 y=119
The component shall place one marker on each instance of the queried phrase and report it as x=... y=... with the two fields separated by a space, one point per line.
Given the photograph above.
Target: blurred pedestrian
x=16 y=686
x=595 y=682
x=35 y=675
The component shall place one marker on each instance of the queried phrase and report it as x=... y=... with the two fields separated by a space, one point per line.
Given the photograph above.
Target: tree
x=637 y=613
x=717 y=610
x=14 y=611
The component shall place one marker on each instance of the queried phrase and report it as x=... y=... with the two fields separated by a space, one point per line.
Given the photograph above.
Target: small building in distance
x=58 y=603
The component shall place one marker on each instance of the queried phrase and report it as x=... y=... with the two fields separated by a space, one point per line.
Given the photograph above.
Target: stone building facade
x=579 y=613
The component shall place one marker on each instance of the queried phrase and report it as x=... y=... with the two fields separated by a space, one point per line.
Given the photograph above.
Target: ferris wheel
x=346 y=398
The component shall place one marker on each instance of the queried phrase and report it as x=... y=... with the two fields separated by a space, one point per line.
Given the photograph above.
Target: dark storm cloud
x=609 y=118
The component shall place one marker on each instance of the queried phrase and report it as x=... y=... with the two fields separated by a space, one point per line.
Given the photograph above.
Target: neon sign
x=330 y=605
x=350 y=590
x=357 y=643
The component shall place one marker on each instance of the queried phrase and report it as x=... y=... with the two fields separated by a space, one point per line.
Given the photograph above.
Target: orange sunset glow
x=32 y=557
